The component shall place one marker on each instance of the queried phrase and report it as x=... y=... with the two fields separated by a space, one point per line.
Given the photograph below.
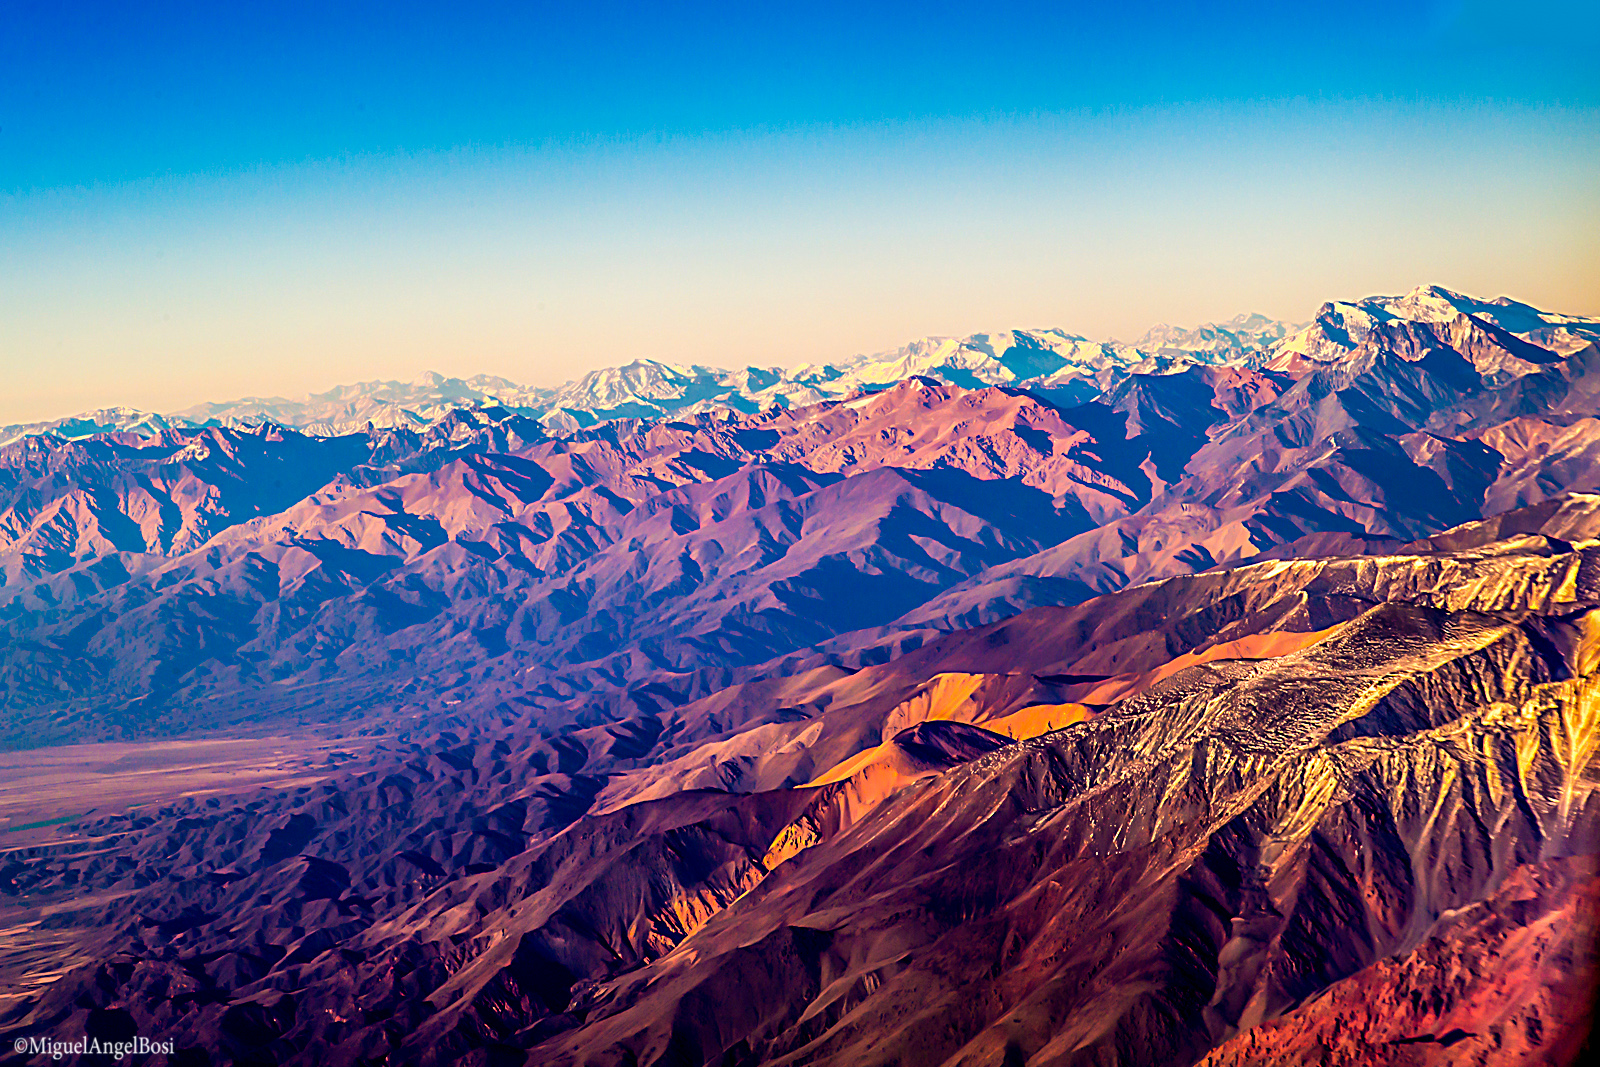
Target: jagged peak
x=1045 y=358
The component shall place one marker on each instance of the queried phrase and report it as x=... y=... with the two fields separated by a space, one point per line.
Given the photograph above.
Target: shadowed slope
x=1399 y=772
x=484 y=568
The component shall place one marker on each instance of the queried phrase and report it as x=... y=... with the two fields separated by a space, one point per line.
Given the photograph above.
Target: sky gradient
x=199 y=203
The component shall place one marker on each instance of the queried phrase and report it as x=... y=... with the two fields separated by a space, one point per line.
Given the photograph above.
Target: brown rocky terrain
x=1241 y=713
x=1361 y=781
x=486 y=568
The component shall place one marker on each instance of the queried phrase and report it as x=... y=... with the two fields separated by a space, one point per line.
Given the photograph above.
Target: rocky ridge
x=221 y=576
x=1053 y=361
x=1295 y=791
x=1218 y=711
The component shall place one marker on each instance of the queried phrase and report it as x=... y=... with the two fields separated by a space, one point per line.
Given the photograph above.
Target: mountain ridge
x=1224 y=712
x=1263 y=823
x=237 y=567
x=1051 y=361
x=1051 y=358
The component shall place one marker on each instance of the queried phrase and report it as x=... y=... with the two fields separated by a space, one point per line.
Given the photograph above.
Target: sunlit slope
x=1193 y=862
x=1377 y=826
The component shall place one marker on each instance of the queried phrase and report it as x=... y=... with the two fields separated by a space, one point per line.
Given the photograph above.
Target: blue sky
x=206 y=200
x=116 y=91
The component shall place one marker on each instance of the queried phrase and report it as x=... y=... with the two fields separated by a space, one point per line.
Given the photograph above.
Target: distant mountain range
x=1048 y=360
x=1061 y=366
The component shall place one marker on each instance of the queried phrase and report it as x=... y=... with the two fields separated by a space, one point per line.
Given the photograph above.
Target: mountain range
x=1050 y=360
x=1226 y=698
x=204 y=576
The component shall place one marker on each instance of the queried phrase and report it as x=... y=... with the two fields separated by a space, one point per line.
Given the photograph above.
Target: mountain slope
x=1354 y=771
x=1373 y=450
x=626 y=549
x=489 y=565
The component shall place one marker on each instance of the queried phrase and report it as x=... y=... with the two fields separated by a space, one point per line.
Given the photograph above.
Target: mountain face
x=200 y=577
x=1012 y=700
x=1335 y=810
x=1502 y=338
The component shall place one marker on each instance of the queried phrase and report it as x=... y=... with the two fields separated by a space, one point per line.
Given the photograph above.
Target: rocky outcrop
x=1336 y=810
x=1153 y=713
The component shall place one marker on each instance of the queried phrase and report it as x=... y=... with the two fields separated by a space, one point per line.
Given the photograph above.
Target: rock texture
x=1234 y=711
x=1333 y=810
x=491 y=565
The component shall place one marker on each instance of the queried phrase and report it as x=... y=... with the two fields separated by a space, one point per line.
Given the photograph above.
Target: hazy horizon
x=468 y=374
